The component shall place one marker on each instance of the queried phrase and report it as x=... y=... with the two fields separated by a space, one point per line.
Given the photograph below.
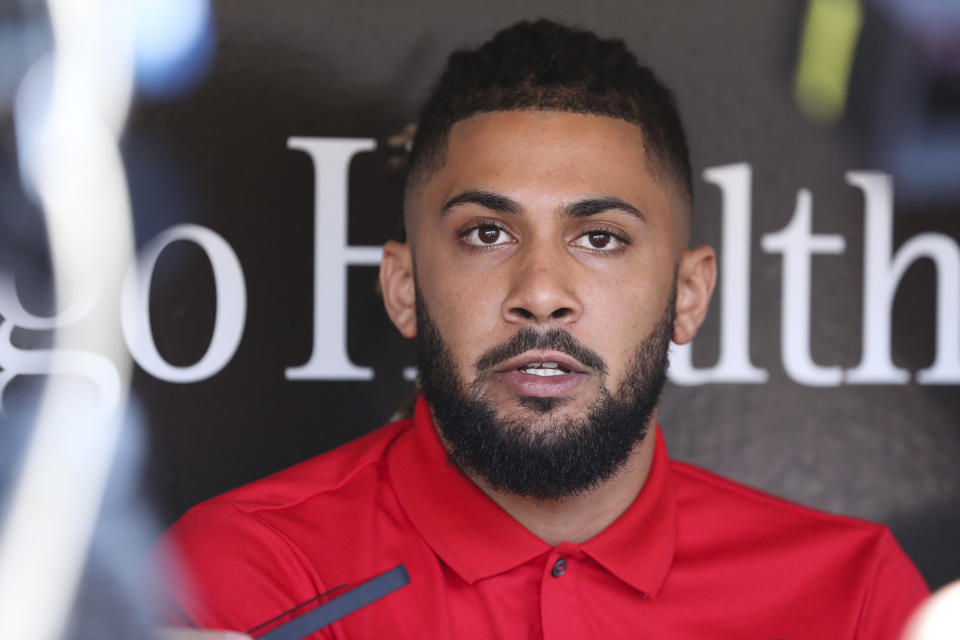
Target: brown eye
x=599 y=239
x=488 y=235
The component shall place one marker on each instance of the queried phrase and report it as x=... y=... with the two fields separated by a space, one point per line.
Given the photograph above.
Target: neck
x=579 y=518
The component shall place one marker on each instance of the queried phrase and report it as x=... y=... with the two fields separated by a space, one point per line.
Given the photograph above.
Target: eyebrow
x=592 y=206
x=486 y=199
x=579 y=209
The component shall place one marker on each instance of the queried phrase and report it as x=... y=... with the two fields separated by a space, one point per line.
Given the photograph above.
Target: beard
x=545 y=456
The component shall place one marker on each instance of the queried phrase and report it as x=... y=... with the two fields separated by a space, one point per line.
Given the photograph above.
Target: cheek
x=465 y=306
x=622 y=311
x=618 y=298
x=460 y=297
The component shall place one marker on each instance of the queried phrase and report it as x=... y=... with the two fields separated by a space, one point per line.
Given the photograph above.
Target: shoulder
x=321 y=474
x=245 y=554
x=766 y=544
x=705 y=497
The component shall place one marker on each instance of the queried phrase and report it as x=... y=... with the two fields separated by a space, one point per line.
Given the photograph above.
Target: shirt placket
x=560 y=607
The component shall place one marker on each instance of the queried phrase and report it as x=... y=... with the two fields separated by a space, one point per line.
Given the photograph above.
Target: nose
x=542 y=290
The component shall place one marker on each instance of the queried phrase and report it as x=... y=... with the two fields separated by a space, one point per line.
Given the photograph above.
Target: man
x=545 y=272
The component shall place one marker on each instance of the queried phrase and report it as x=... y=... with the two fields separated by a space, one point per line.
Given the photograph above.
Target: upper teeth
x=542 y=369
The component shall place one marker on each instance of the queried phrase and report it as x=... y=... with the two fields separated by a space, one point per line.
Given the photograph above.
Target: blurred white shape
x=172 y=43
x=30 y=116
x=76 y=363
x=70 y=113
x=81 y=304
x=938 y=618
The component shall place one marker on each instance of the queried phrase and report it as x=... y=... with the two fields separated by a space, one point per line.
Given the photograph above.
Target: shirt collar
x=478 y=539
x=639 y=546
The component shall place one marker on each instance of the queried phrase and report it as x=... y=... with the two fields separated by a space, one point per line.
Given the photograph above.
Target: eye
x=486 y=235
x=600 y=240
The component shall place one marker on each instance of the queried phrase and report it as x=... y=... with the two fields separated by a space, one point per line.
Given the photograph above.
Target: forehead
x=546 y=157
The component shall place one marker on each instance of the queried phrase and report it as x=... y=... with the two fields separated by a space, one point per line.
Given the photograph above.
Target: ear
x=696 y=276
x=398 y=286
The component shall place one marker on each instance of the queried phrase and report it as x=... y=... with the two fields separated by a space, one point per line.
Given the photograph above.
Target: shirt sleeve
x=897 y=590
x=233 y=571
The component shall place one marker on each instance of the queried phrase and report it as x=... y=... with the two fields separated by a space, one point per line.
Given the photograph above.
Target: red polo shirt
x=695 y=556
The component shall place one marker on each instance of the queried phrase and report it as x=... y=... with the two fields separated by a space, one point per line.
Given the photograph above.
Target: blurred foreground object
x=174 y=45
x=69 y=114
x=69 y=542
x=938 y=618
x=830 y=32
x=890 y=70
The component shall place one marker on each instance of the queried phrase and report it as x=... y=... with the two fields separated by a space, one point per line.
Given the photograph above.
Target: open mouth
x=542 y=375
x=543 y=369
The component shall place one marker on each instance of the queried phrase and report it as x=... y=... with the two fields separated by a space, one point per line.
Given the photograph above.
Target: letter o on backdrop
x=231 y=306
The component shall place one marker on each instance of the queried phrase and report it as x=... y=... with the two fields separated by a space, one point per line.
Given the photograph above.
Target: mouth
x=544 y=374
x=544 y=369
x=542 y=363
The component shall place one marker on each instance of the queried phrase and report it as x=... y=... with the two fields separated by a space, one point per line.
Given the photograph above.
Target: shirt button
x=559 y=568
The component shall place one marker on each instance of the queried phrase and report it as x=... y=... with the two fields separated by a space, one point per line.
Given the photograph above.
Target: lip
x=524 y=384
x=541 y=356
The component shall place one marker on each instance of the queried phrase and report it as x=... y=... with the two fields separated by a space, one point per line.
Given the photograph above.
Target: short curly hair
x=544 y=65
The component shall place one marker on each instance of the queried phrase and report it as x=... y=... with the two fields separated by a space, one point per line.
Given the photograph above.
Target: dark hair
x=549 y=66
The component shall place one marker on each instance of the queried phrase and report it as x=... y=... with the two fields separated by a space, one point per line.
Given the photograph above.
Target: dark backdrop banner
x=828 y=370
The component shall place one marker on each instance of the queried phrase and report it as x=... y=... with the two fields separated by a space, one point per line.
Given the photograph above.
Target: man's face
x=546 y=257
x=563 y=456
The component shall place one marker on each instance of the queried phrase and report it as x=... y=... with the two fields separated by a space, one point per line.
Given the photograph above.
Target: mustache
x=554 y=338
